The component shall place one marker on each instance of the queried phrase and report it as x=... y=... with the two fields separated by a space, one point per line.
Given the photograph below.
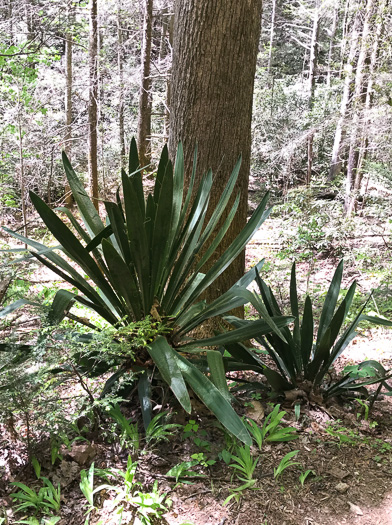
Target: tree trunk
x=68 y=102
x=357 y=103
x=214 y=62
x=314 y=47
x=271 y=41
x=121 y=85
x=336 y=163
x=366 y=118
x=144 y=121
x=92 y=104
x=332 y=40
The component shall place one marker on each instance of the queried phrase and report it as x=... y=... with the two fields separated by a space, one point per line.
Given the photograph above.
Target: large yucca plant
x=146 y=259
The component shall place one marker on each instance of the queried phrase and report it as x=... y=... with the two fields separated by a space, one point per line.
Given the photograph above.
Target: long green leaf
x=87 y=209
x=213 y=400
x=330 y=302
x=217 y=371
x=166 y=360
x=75 y=249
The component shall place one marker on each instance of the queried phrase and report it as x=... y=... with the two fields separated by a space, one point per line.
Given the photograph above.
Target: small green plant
x=271 y=429
x=36 y=467
x=159 y=429
x=202 y=459
x=87 y=486
x=344 y=435
x=304 y=475
x=182 y=470
x=129 y=431
x=46 y=500
x=285 y=463
x=238 y=492
x=244 y=463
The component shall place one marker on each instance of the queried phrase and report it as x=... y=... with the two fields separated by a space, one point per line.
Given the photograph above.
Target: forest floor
x=348 y=454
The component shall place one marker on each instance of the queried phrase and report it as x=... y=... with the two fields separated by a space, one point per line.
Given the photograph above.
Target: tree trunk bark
x=121 y=86
x=357 y=103
x=366 y=118
x=92 y=104
x=68 y=102
x=271 y=41
x=144 y=121
x=332 y=41
x=336 y=162
x=214 y=63
x=314 y=47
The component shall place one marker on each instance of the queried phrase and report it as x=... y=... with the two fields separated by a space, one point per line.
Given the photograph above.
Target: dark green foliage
x=147 y=260
x=303 y=356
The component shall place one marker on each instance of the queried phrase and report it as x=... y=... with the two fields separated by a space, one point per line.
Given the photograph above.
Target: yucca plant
x=303 y=356
x=147 y=259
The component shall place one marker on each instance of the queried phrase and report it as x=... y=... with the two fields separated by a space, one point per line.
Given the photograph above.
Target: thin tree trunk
x=336 y=162
x=344 y=37
x=332 y=40
x=366 y=118
x=144 y=121
x=121 y=85
x=314 y=47
x=22 y=175
x=92 y=104
x=214 y=63
x=357 y=103
x=68 y=102
x=271 y=41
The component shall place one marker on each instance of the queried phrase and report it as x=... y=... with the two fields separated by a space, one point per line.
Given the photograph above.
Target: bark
x=22 y=175
x=332 y=41
x=144 y=121
x=92 y=103
x=343 y=46
x=68 y=102
x=120 y=70
x=366 y=119
x=214 y=61
x=357 y=103
x=314 y=49
x=336 y=162
x=271 y=41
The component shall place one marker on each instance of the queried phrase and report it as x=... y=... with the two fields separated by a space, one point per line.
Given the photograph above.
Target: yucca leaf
x=321 y=356
x=62 y=302
x=96 y=302
x=375 y=320
x=116 y=219
x=83 y=234
x=253 y=329
x=166 y=360
x=123 y=281
x=217 y=371
x=258 y=217
x=330 y=302
x=75 y=249
x=213 y=399
x=307 y=328
x=139 y=247
x=133 y=163
x=14 y=306
x=223 y=202
x=97 y=240
x=87 y=209
x=162 y=234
